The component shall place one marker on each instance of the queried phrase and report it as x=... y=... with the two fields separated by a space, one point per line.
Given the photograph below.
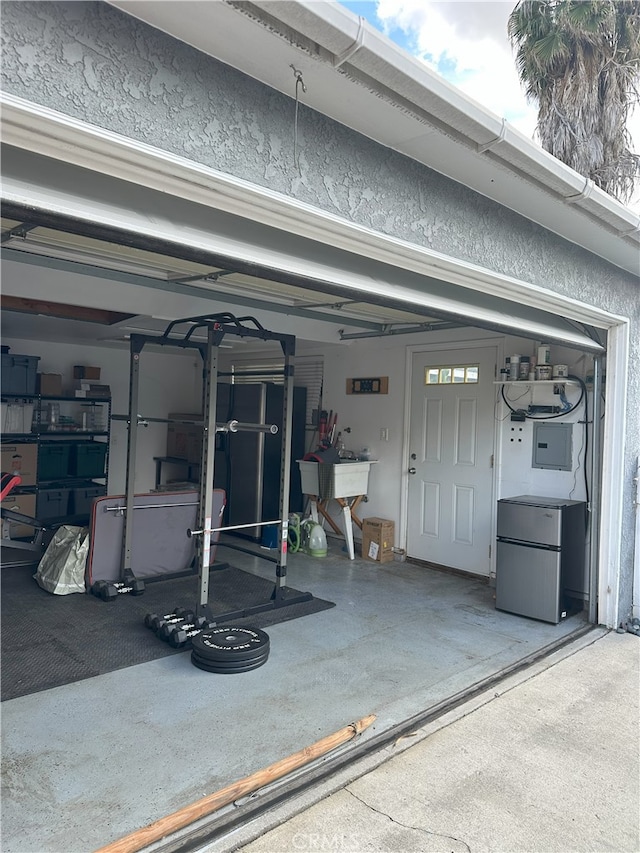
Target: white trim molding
x=613 y=456
x=52 y=134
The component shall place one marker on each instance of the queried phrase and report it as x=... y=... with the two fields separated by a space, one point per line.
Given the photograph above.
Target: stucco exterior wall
x=91 y=61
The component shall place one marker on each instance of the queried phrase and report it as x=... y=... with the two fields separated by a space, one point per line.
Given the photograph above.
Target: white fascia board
x=397 y=70
x=401 y=104
x=40 y=130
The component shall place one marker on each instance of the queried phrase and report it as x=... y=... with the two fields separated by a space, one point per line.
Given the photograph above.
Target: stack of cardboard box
x=85 y=384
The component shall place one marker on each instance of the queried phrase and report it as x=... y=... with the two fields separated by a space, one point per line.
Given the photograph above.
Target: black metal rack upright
x=217 y=326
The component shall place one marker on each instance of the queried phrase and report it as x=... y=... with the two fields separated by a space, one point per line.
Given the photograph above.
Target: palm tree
x=579 y=60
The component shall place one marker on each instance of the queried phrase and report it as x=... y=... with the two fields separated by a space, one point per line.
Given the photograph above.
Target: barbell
x=230 y=426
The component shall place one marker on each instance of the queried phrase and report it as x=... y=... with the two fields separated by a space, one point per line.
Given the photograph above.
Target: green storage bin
x=19 y=374
x=53 y=461
x=83 y=498
x=88 y=459
x=52 y=503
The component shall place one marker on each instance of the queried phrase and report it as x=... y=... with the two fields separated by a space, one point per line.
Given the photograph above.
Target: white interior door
x=450 y=500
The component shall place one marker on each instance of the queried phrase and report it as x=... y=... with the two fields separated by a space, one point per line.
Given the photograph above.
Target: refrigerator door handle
x=525 y=544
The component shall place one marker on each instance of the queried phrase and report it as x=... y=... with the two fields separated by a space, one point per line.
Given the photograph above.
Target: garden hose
x=293 y=537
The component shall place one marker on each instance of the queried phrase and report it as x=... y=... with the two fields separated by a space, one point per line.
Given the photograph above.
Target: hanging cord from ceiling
x=299 y=84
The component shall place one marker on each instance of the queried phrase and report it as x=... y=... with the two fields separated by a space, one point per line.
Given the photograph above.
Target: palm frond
x=579 y=61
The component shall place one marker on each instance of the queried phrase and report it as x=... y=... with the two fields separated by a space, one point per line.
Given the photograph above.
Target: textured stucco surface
x=93 y=62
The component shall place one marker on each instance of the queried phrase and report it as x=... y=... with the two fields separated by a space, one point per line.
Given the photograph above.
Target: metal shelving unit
x=71 y=425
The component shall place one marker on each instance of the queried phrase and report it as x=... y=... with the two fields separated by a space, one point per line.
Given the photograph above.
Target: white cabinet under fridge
x=540 y=568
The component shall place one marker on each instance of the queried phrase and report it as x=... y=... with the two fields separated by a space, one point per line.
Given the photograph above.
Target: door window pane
x=459 y=374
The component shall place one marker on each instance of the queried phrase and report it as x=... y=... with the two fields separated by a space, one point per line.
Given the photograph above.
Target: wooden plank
x=67 y=312
x=183 y=817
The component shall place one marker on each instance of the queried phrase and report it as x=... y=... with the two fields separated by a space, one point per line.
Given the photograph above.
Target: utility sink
x=344 y=479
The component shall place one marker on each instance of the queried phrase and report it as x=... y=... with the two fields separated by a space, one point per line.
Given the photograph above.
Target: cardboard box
x=21 y=459
x=378 y=536
x=184 y=441
x=26 y=504
x=92 y=391
x=50 y=384
x=85 y=371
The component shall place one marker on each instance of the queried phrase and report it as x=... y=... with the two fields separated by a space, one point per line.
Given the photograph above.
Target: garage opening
x=407 y=629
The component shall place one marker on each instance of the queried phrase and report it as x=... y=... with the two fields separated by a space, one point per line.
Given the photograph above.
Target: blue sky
x=465 y=41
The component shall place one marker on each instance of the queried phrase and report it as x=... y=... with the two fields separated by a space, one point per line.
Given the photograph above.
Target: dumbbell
x=181 y=634
x=155 y=621
x=109 y=590
x=169 y=626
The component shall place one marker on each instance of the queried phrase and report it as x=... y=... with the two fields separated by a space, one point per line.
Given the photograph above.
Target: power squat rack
x=217 y=327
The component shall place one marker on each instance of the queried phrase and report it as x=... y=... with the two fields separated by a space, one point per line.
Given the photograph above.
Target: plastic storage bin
x=53 y=461
x=19 y=373
x=82 y=499
x=16 y=416
x=52 y=503
x=88 y=459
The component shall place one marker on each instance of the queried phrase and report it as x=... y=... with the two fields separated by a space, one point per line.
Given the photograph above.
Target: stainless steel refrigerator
x=541 y=566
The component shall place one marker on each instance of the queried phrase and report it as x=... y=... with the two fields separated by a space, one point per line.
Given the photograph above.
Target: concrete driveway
x=547 y=761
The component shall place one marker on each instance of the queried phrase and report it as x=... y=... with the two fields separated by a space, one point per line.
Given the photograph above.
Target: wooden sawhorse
x=348 y=513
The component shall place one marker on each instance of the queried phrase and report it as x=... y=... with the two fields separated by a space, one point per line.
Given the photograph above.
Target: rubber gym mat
x=50 y=640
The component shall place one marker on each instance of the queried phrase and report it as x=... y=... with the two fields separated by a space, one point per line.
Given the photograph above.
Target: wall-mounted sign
x=369 y=385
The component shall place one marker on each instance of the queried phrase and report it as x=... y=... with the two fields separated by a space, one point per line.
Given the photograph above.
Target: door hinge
x=491 y=461
x=489 y=551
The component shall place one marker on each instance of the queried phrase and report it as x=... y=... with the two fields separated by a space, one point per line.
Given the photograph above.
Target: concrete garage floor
x=89 y=762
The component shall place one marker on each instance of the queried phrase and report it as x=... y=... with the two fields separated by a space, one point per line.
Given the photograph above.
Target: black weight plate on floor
x=236 y=666
x=222 y=669
x=262 y=655
x=230 y=643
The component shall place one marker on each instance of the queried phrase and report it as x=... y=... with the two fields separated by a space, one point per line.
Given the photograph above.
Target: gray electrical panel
x=552 y=446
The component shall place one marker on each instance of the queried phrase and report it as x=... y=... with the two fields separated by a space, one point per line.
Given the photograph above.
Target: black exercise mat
x=49 y=640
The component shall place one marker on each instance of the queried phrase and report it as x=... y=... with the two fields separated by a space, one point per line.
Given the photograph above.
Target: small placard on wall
x=368 y=385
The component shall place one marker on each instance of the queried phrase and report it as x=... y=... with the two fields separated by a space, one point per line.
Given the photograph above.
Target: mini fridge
x=540 y=568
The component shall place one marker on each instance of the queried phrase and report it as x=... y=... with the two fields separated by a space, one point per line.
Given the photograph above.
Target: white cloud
x=466 y=42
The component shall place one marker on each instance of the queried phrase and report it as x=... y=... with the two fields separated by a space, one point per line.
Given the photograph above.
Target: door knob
x=412 y=470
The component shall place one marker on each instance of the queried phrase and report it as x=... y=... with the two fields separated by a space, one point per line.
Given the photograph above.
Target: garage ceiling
x=256 y=251
x=50 y=320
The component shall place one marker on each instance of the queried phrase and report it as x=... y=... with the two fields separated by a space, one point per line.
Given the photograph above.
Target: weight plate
x=263 y=654
x=230 y=643
x=220 y=669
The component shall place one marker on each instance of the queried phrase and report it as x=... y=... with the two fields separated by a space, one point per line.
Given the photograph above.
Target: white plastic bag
x=61 y=569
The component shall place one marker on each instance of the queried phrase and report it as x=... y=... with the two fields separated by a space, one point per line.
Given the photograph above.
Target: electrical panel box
x=553 y=446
